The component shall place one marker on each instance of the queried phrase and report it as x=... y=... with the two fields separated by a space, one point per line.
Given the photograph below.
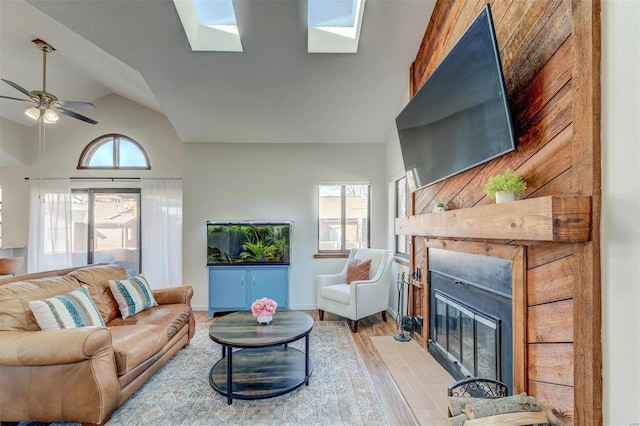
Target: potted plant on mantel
x=504 y=187
x=438 y=206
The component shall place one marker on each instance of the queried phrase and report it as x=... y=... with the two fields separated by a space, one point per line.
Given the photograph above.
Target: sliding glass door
x=106 y=227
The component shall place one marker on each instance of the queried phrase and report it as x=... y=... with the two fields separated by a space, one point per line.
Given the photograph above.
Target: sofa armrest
x=168 y=296
x=34 y=348
x=183 y=294
x=58 y=376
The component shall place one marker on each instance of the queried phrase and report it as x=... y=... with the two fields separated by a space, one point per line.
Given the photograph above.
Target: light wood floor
x=415 y=396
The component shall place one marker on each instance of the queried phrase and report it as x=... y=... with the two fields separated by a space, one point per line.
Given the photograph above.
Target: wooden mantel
x=552 y=218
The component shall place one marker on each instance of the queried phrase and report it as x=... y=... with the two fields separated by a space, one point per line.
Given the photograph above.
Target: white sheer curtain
x=49 y=225
x=161 y=218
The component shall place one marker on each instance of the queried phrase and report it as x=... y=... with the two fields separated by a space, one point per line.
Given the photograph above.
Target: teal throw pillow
x=71 y=310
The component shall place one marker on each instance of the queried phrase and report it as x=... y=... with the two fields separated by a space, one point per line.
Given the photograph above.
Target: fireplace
x=470 y=305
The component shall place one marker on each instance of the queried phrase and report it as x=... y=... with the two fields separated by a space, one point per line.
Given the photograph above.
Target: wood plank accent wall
x=550 y=50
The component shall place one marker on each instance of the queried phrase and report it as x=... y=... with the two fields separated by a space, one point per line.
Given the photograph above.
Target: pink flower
x=263 y=306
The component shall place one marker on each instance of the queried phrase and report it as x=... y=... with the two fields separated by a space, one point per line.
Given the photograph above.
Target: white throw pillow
x=133 y=295
x=71 y=310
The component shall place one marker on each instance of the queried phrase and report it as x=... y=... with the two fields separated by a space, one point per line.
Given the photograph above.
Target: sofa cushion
x=340 y=293
x=133 y=295
x=15 y=313
x=358 y=269
x=71 y=310
x=134 y=344
x=96 y=278
x=170 y=317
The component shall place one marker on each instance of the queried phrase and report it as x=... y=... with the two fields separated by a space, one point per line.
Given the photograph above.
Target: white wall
x=14 y=155
x=620 y=227
x=394 y=168
x=15 y=202
x=274 y=182
x=14 y=152
x=66 y=140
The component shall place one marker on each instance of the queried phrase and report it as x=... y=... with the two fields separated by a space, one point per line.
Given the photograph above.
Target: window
x=343 y=217
x=402 y=210
x=106 y=227
x=114 y=151
x=334 y=26
x=210 y=25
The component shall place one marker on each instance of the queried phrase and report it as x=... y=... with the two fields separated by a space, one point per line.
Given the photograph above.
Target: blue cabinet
x=227 y=289
x=234 y=288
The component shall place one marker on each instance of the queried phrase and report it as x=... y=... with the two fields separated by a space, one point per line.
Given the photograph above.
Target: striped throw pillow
x=133 y=295
x=71 y=310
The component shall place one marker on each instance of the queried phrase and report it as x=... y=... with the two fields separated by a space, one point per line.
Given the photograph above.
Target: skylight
x=210 y=25
x=334 y=25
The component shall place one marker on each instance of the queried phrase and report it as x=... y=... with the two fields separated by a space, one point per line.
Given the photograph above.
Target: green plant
x=507 y=182
x=258 y=252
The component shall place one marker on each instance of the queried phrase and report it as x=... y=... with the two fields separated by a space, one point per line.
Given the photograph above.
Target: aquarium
x=243 y=243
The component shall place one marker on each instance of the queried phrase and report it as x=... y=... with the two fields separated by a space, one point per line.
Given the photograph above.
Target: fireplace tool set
x=405 y=322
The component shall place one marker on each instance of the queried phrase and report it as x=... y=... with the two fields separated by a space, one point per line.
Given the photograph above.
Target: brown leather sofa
x=83 y=374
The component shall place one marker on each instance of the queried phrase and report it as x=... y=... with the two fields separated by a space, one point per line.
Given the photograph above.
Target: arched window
x=114 y=151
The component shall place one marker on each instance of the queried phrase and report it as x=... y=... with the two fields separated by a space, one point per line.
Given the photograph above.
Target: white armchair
x=360 y=298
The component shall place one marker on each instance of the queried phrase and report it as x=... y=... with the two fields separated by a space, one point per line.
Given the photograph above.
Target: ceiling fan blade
x=18 y=99
x=75 y=105
x=76 y=115
x=19 y=88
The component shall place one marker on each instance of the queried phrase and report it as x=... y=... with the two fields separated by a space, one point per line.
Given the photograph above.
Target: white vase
x=264 y=319
x=505 y=197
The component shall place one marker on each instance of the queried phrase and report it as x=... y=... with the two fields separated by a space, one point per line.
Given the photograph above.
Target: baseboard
x=295 y=308
x=393 y=313
x=304 y=307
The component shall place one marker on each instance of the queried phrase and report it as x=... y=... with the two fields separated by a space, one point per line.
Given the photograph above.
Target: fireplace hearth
x=470 y=305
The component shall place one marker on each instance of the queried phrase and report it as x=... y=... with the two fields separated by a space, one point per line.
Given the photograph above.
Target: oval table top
x=241 y=329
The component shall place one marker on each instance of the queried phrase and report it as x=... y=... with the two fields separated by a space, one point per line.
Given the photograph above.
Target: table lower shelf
x=261 y=372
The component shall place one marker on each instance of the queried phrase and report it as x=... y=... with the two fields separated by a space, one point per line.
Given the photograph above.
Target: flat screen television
x=248 y=242
x=460 y=117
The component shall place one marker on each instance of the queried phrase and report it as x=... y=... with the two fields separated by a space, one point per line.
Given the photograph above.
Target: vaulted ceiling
x=273 y=92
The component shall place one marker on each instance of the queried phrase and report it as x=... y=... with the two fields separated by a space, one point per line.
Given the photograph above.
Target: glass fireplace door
x=467 y=338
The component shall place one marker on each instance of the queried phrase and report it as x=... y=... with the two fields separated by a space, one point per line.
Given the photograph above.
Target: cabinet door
x=271 y=283
x=227 y=289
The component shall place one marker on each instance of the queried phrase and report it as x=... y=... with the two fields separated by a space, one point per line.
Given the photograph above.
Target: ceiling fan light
x=50 y=116
x=33 y=113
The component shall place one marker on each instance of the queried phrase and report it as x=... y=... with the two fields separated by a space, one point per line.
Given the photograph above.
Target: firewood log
x=510 y=419
x=458 y=420
x=509 y=404
x=558 y=417
x=457 y=403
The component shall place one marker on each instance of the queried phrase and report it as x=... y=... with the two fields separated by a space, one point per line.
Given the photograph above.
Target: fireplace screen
x=469 y=339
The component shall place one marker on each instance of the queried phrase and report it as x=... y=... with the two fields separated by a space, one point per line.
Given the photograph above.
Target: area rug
x=340 y=391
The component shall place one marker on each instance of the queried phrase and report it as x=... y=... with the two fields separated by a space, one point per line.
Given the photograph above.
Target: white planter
x=505 y=197
x=264 y=319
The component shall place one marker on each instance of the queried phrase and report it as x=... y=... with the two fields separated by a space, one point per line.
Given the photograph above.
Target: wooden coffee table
x=262 y=364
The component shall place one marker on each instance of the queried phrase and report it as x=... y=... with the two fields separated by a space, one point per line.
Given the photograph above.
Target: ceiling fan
x=46 y=104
